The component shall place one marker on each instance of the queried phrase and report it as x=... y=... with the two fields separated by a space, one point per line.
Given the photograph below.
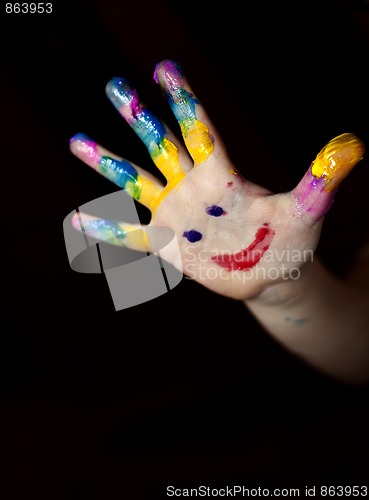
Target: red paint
x=250 y=256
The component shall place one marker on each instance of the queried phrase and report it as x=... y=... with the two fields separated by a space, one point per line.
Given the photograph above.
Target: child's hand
x=235 y=237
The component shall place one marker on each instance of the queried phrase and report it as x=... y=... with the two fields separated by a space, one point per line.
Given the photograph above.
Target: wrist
x=288 y=292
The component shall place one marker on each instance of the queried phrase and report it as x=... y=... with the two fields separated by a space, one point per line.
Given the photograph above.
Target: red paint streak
x=250 y=256
x=229 y=184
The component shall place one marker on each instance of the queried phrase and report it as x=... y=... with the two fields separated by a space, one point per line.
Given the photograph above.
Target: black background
x=186 y=389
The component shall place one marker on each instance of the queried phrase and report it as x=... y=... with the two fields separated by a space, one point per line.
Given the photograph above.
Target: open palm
x=234 y=237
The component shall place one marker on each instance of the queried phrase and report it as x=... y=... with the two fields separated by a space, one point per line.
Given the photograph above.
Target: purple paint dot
x=192 y=236
x=215 y=211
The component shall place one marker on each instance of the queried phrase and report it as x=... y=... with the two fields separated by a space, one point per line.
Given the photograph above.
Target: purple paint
x=215 y=211
x=192 y=236
x=135 y=105
x=310 y=196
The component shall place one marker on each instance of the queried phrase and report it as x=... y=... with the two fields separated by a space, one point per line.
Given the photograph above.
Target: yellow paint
x=151 y=196
x=197 y=139
x=149 y=191
x=174 y=182
x=167 y=160
x=136 y=239
x=336 y=160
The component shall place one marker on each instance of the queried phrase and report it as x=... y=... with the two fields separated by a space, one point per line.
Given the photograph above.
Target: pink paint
x=309 y=196
x=172 y=72
x=250 y=256
x=135 y=104
x=86 y=149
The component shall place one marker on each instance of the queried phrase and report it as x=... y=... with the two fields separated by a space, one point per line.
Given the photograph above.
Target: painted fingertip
x=76 y=221
x=85 y=149
x=336 y=160
x=169 y=72
x=80 y=142
x=80 y=220
x=79 y=137
x=314 y=194
x=119 y=92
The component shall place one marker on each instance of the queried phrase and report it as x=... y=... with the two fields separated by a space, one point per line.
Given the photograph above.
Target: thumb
x=314 y=194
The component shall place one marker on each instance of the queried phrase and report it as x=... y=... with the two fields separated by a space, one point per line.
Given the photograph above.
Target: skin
x=216 y=213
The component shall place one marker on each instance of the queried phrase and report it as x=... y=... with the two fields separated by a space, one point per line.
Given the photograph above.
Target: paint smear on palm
x=148 y=128
x=248 y=257
x=196 y=134
x=315 y=193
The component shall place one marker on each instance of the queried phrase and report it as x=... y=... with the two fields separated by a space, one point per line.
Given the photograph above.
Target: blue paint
x=192 y=236
x=120 y=172
x=146 y=125
x=149 y=129
x=183 y=104
x=119 y=91
x=215 y=211
x=104 y=229
x=300 y=321
x=79 y=137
